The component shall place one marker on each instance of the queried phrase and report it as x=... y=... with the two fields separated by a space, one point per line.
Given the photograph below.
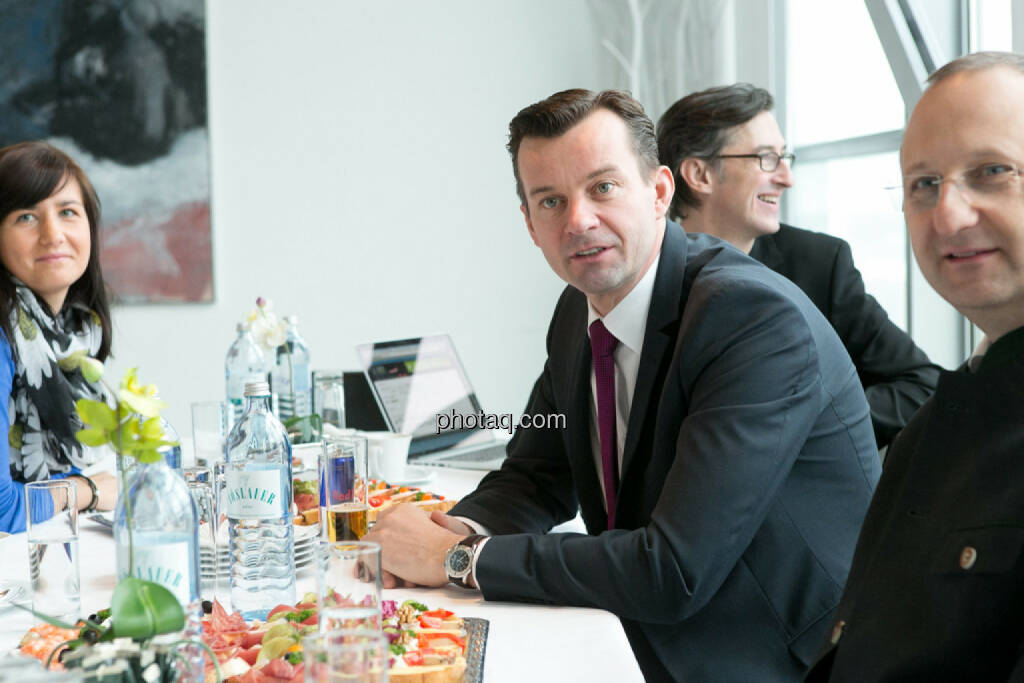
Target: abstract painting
x=120 y=85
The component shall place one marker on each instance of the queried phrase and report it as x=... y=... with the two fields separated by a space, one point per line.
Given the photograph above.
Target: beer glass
x=343 y=504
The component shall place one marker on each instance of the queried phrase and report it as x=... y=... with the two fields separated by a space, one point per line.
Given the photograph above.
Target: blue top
x=12 y=493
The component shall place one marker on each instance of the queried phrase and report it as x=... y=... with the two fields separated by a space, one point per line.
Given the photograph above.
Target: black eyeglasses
x=769 y=160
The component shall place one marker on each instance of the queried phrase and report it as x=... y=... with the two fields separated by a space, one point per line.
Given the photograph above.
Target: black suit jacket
x=748 y=464
x=919 y=605
x=896 y=375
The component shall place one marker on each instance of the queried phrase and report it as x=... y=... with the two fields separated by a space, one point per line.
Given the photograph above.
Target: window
x=839 y=84
x=844 y=117
x=844 y=197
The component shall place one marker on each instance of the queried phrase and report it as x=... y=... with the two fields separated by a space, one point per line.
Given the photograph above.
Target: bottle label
x=166 y=564
x=254 y=494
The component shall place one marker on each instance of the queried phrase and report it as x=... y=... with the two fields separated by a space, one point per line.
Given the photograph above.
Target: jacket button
x=837 y=632
x=968 y=556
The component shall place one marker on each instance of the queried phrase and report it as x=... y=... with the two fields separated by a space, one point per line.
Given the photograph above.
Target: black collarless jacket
x=936 y=592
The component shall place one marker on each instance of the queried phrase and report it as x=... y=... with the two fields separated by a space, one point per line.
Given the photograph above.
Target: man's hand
x=413 y=545
x=451 y=523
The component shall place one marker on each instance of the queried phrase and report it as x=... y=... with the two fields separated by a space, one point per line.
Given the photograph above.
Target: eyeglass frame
x=788 y=157
x=959 y=180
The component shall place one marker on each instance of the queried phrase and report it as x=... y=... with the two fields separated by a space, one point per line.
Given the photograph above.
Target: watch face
x=458 y=561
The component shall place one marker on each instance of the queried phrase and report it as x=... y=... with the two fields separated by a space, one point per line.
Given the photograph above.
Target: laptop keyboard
x=484 y=454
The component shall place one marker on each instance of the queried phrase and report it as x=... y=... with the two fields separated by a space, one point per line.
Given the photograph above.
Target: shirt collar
x=628 y=320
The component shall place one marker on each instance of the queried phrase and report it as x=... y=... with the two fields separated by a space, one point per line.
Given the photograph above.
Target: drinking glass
x=201 y=488
x=221 y=536
x=343 y=504
x=329 y=396
x=346 y=655
x=211 y=422
x=348 y=585
x=53 y=550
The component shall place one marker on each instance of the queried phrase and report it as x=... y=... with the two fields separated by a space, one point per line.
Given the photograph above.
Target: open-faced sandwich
x=382 y=495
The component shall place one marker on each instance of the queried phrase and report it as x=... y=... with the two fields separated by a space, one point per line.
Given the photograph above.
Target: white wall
x=360 y=181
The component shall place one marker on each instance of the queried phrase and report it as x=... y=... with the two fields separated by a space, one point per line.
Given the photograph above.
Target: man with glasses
x=731 y=168
x=936 y=591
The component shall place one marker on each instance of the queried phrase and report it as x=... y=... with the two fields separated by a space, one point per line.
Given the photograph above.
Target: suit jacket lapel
x=578 y=446
x=664 y=311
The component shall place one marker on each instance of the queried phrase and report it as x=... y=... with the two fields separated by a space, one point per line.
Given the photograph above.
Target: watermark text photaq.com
x=459 y=421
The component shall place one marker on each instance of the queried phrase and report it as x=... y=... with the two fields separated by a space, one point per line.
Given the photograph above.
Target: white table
x=525 y=642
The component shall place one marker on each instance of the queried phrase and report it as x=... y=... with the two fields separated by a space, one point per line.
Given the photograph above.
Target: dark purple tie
x=602 y=348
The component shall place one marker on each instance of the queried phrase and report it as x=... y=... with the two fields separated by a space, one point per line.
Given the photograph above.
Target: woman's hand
x=106 y=486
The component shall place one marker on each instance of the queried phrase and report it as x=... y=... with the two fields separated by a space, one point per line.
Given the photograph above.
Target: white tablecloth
x=526 y=642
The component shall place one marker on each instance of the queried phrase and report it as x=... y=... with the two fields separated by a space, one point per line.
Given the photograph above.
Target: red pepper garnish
x=439 y=613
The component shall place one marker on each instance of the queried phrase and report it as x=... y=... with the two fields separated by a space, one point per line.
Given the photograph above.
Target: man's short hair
x=700 y=125
x=555 y=115
x=979 y=61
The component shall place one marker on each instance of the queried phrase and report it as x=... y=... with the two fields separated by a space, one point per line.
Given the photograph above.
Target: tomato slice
x=429 y=622
x=439 y=613
x=413 y=658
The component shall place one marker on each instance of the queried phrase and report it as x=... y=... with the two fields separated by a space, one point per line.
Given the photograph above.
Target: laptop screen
x=415 y=381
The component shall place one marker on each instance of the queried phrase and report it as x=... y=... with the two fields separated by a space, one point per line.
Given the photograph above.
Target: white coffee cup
x=387 y=454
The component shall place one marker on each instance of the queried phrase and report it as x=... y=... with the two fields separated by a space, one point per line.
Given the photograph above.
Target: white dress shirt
x=628 y=323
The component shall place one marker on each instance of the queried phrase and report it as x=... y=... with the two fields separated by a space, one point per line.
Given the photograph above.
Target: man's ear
x=529 y=223
x=698 y=175
x=664 y=188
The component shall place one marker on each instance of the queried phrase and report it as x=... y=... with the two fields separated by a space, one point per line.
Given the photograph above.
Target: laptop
x=422 y=389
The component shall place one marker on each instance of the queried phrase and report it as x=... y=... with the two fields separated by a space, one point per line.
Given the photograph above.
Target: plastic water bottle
x=156 y=537
x=172 y=454
x=244 y=364
x=258 y=491
x=291 y=379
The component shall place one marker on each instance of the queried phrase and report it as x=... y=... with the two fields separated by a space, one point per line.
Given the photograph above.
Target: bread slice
x=438 y=673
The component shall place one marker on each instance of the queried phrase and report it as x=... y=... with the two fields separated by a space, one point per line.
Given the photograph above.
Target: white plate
x=414 y=476
x=14 y=592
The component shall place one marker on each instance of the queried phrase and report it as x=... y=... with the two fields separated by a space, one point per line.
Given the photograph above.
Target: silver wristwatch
x=458 y=561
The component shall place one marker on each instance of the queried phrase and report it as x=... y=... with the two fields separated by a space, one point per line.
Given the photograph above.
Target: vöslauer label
x=254 y=495
x=165 y=564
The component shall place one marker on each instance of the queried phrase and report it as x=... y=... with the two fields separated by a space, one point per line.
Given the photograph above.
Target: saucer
x=414 y=476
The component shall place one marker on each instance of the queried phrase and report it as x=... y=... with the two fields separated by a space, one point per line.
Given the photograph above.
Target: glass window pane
x=839 y=84
x=846 y=198
x=991 y=25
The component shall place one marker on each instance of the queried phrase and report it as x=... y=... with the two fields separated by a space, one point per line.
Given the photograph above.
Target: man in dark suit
x=716 y=439
x=936 y=591
x=731 y=169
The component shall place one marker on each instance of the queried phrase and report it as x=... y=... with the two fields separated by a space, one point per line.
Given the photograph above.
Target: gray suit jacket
x=748 y=465
x=896 y=375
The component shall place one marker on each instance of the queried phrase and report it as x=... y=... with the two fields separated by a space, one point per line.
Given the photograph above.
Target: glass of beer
x=343 y=505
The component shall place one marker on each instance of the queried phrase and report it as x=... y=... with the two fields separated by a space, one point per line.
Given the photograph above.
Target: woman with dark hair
x=53 y=303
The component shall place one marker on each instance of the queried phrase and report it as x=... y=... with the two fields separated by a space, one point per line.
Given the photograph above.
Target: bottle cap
x=257 y=389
